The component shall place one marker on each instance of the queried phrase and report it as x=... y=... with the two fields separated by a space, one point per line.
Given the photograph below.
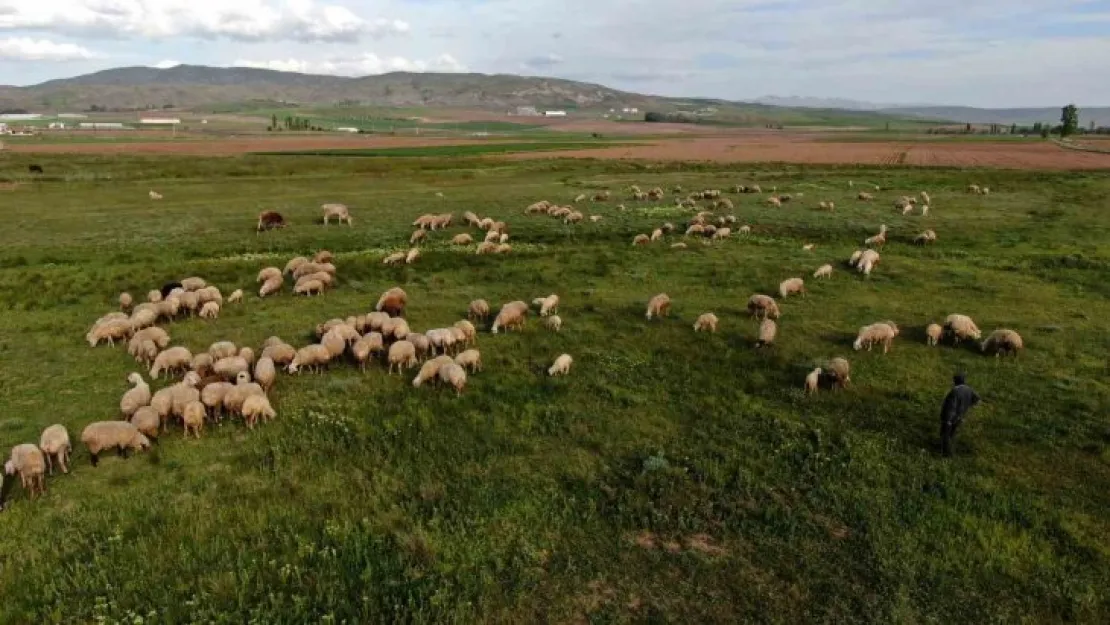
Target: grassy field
x=671 y=477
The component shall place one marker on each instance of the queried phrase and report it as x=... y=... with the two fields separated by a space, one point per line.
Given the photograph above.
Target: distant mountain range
x=200 y=87
x=963 y=114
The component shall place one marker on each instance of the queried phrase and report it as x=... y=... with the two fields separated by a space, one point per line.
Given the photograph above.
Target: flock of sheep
x=228 y=381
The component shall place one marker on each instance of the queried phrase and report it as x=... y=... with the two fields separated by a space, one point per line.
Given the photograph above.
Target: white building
x=20 y=117
x=160 y=121
x=56 y=126
x=101 y=126
x=527 y=111
x=72 y=116
x=554 y=113
x=346 y=129
x=3 y=128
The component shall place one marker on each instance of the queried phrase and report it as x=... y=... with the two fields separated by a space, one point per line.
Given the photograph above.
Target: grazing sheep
x=775 y=201
x=763 y=306
x=339 y=211
x=309 y=288
x=678 y=246
x=257 y=407
x=270 y=220
x=193 y=417
x=311 y=357
x=925 y=237
x=430 y=370
x=875 y=333
x=170 y=360
x=867 y=261
x=271 y=286
x=878 y=240
x=812 y=379
x=561 y=366
x=136 y=397
x=722 y=233
x=974 y=188
x=235 y=297
x=840 y=371
x=156 y=335
x=554 y=322
x=104 y=435
x=961 y=327
x=486 y=247
x=402 y=354
x=210 y=310
x=706 y=321
x=230 y=367
x=469 y=332
x=395 y=258
x=265 y=371
x=933 y=334
x=193 y=284
x=54 y=444
x=454 y=375
x=470 y=360
x=294 y=264
x=549 y=305
x=767 y=331
x=477 y=310
x=462 y=239
x=865 y=196
x=512 y=315
x=745 y=230
x=658 y=306
x=238 y=394
x=111 y=331
x=392 y=302
x=222 y=349
x=824 y=271
x=30 y=463
x=792 y=286
x=147 y=421
x=125 y=301
x=999 y=342
x=411 y=257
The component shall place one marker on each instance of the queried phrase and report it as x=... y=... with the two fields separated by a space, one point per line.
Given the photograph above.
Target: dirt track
x=737 y=147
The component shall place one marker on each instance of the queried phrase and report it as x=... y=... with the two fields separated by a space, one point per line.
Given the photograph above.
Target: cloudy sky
x=975 y=52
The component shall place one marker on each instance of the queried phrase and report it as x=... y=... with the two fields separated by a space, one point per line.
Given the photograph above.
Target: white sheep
x=763 y=306
x=824 y=271
x=462 y=239
x=470 y=333
x=933 y=334
x=411 y=257
x=658 y=306
x=30 y=463
x=230 y=367
x=561 y=366
x=554 y=323
x=402 y=354
x=961 y=327
x=875 y=333
x=257 y=407
x=171 y=360
x=136 y=397
x=210 y=310
x=193 y=284
x=512 y=315
x=104 y=435
x=1003 y=341
x=429 y=371
x=192 y=416
x=454 y=375
x=706 y=322
x=154 y=195
x=55 y=445
x=549 y=305
x=339 y=211
x=271 y=286
x=840 y=370
x=265 y=372
x=791 y=286
x=812 y=380
x=147 y=421
x=125 y=301
x=235 y=297
x=768 y=329
x=309 y=288
x=470 y=359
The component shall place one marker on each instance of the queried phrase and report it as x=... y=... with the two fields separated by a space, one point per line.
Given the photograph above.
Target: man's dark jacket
x=956 y=404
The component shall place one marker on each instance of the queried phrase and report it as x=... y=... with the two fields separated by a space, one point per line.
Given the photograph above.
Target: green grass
x=367 y=500
x=451 y=150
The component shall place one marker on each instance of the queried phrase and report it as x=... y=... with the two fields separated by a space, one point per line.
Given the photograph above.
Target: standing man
x=956 y=404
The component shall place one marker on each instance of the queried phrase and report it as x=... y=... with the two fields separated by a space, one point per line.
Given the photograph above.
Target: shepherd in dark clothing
x=956 y=404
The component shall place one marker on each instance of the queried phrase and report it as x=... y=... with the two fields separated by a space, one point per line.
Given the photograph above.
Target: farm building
x=554 y=113
x=3 y=128
x=159 y=121
x=346 y=129
x=20 y=117
x=101 y=126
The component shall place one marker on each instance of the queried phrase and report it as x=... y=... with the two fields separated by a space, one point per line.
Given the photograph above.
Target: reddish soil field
x=803 y=149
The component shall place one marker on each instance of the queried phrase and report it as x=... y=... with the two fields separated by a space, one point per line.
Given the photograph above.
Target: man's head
x=959 y=379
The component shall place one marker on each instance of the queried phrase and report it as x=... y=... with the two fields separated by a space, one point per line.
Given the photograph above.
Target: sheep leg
x=50 y=463
x=94 y=458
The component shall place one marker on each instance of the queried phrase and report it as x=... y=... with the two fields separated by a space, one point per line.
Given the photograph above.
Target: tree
x=1013 y=129
x=273 y=120
x=1069 y=120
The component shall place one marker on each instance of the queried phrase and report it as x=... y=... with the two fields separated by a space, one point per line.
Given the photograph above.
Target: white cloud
x=239 y=20
x=26 y=49
x=363 y=65
x=166 y=64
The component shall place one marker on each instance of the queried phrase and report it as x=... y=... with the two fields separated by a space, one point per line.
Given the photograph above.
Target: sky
x=990 y=53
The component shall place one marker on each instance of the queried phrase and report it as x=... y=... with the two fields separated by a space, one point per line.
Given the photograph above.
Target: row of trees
x=292 y=123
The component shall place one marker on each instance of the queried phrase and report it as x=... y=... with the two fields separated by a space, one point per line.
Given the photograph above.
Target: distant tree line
x=673 y=118
x=291 y=123
x=1069 y=125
